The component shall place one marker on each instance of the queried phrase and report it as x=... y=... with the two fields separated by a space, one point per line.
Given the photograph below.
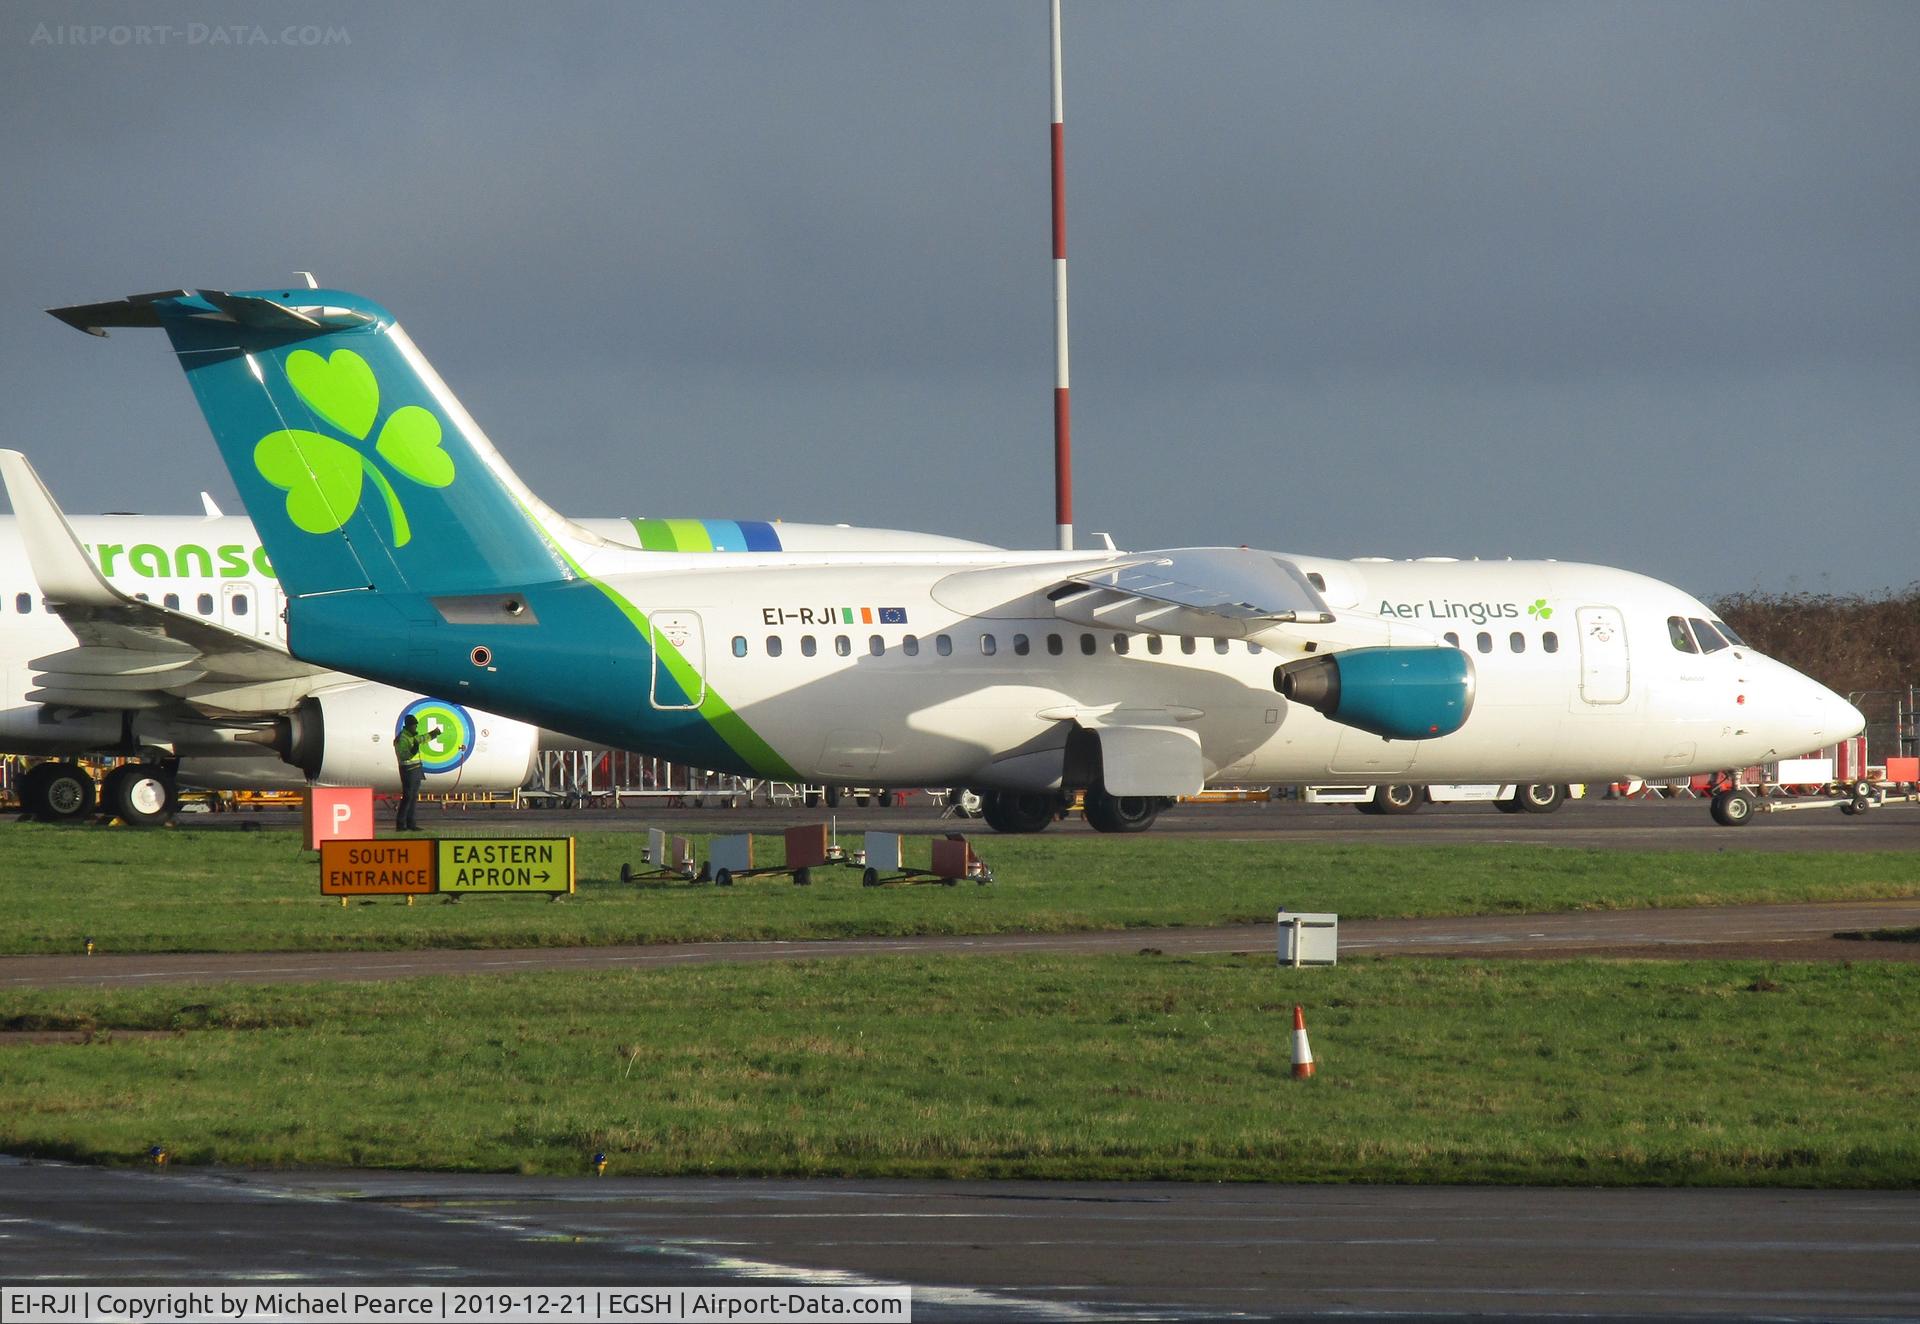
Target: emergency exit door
x=682 y=684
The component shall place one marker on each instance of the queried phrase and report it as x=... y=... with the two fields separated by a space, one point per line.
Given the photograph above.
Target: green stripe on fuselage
x=718 y=714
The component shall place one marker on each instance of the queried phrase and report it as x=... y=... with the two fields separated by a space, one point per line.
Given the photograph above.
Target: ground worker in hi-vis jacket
x=406 y=748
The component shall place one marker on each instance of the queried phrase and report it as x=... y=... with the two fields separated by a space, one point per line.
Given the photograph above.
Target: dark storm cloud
x=1626 y=283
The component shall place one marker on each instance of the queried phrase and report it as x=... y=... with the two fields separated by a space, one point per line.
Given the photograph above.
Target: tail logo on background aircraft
x=447 y=729
x=322 y=475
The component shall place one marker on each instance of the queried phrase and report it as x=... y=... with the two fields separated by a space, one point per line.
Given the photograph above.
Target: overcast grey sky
x=1630 y=283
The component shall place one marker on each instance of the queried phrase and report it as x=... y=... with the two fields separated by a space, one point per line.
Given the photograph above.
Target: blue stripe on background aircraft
x=412 y=554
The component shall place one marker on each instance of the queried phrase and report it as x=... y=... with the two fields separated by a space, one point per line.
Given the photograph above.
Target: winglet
x=61 y=566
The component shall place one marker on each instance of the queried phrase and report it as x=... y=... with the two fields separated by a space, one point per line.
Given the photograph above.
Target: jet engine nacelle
x=344 y=737
x=1400 y=693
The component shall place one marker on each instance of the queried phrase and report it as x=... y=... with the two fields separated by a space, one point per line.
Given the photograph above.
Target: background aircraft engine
x=1399 y=693
x=344 y=737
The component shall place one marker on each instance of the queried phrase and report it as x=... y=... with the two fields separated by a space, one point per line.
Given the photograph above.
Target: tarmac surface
x=1803 y=931
x=992 y=1250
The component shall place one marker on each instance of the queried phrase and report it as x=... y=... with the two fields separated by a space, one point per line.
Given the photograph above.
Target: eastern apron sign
x=534 y=866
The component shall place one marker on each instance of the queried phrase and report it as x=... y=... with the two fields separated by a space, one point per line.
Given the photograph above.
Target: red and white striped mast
x=1062 y=428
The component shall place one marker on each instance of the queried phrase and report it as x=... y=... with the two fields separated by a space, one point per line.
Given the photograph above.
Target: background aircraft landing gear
x=1007 y=812
x=1121 y=813
x=1537 y=798
x=57 y=792
x=140 y=794
x=1399 y=798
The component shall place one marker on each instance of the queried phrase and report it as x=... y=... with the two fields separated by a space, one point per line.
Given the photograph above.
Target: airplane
x=181 y=663
x=411 y=553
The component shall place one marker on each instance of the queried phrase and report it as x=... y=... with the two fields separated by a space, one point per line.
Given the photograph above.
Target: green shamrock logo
x=1540 y=609
x=321 y=475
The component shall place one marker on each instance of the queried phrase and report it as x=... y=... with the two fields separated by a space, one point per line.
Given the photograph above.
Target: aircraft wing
x=1200 y=592
x=134 y=654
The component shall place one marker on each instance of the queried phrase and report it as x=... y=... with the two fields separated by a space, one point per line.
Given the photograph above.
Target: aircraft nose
x=1819 y=716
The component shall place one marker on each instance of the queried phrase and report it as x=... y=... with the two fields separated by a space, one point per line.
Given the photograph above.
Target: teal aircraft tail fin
x=360 y=468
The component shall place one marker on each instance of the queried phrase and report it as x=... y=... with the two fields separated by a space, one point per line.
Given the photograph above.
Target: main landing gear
x=138 y=794
x=1008 y=811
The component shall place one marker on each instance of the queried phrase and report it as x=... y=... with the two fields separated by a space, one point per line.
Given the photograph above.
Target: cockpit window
x=1710 y=638
x=1726 y=632
x=1677 y=631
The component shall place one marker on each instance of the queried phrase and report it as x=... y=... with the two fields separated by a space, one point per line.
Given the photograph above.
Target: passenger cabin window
x=1054 y=647
x=171 y=602
x=1220 y=646
x=1710 y=640
x=1549 y=642
x=877 y=646
x=204 y=604
x=943 y=645
x=23 y=603
x=987 y=646
x=1517 y=642
x=739 y=645
x=1253 y=647
x=842 y=645
x=1020 y=645
x=1121 y=644
x=1452 y=638
x=1677 y=631
x=1087 y=644
x=1154 y=644
x=910 y=645
x=773 y=645
x=1188 y=643
x=239 y=604
x=807 y=646
x=1483 y=641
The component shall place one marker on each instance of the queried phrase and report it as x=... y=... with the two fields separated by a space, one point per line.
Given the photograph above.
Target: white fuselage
x=1578 y=676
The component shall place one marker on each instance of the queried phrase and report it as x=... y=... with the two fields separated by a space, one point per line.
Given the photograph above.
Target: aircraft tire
x=1398 y=798
x=1120 y=813
x=1733 y=808
x=66 y=792
x=1540 y=797
x=1008 y=812
x=140 y=795
x=832 y=795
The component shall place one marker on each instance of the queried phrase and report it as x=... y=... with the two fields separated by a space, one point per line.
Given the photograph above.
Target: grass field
x=258 y=891
x=1733 y=1072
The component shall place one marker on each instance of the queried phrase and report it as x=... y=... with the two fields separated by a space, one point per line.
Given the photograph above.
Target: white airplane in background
x=412 y=554
x=182 y=665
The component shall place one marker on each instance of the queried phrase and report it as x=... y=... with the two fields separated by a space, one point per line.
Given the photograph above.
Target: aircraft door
x=678 y=633
x=1605 y=674
x=240 y=609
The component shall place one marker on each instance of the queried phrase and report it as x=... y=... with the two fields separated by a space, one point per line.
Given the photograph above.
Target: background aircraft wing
x=132 y=654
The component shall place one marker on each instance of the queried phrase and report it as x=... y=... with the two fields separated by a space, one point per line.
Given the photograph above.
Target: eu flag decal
x=893 y=616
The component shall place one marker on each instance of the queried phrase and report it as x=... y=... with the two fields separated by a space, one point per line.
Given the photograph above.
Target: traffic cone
x=1302 y=1055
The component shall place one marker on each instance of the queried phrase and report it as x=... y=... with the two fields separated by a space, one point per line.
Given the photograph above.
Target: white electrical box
x=1308 y=939
x=734 y=854
x=883 y=851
